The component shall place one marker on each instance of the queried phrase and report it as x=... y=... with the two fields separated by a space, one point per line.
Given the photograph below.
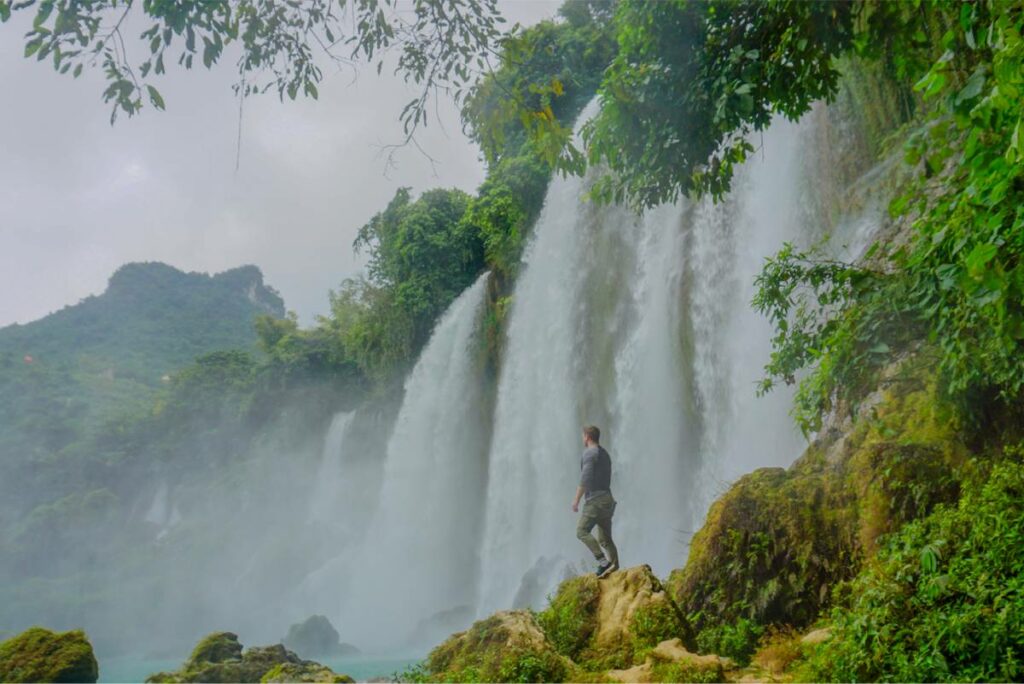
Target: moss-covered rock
x=613 y=622
x=39 y=655
x=669 y=661
x=775 y=544
x=509 y=646
x=219 y=657
x=570 y=619
x=216 y=648
x=303 y=672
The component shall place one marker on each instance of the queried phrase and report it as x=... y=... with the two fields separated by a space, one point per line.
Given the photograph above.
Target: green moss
x=491 y=651
x=774 y=546
x=218 y=657
x=737 y=640
x=570 y=619
x=216 y=648
x=39 y=655
x=303 y=672
x=656 y=622
x=682 y=672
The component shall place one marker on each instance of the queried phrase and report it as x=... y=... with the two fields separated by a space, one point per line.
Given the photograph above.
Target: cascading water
x=640 y=324
x=418 y=557
x=331 y=478
x=643 y=326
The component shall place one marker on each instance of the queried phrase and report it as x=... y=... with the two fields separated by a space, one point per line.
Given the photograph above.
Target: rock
x=316 y=637
x=303 y=672
x=219 y=657
x=508 y=646
x=216 y=648
x=669 y=661
x=797 y=532
x=816 y=636
x=608 y=623
x=39 y=655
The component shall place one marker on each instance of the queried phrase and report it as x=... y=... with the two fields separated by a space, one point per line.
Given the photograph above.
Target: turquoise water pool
x=361 y=668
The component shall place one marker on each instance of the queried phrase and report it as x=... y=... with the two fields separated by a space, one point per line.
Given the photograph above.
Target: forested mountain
x=66 y=373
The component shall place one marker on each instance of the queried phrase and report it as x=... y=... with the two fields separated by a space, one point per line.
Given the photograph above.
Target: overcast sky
x=79 y=197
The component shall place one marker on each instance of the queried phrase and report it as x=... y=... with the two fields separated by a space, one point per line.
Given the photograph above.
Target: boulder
x=776 y=543
x=613 y=622
x=669 y=661
x=316 y=637
x=303 y=672
x=219 y=657
x=508 y=646
x=39 y=655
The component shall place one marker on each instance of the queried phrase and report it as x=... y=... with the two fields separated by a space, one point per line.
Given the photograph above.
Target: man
x=599 y=506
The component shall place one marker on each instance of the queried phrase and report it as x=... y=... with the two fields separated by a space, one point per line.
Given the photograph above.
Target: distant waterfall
x=642 y=325
x=331 y=477
x=419 y=556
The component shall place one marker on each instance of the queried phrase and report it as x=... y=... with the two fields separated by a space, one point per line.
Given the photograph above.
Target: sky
x=79 y=197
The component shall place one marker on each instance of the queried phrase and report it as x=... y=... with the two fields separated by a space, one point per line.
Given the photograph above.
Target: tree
x=439 y=43
x=422 y=253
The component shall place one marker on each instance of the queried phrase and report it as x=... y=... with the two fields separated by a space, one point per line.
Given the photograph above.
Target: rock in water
x=216 y=648
x=509 y=646
x=219 y=658
x=316 y=637
x=39 y=655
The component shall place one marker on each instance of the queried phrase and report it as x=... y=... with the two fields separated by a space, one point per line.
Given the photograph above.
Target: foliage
x=277 y=41
x=692 y=79
x=422 y=253
x=570 y=619
x=775 y=545
x=845 y=320
x=945 y=600
x=546 y=74
x=737 y=640
x=74 y=378
x=507 y=204
x=960 y=281
x=39 y=655
x=655 y=622
x=506 y=647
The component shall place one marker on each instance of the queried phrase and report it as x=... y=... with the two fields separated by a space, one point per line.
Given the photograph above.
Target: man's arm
x=586 y=477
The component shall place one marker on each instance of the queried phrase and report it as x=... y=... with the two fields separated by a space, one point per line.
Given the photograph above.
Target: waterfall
x=331 y=477
x=418 y=558
x=643 y=326
x=640 y=324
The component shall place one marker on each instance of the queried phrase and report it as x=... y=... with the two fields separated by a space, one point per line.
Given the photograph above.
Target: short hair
x=593 y=433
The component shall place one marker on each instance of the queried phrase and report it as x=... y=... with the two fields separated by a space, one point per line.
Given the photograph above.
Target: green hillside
x=64 y=375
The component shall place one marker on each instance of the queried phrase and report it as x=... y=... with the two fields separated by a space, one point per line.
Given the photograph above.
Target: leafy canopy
x=440 y=44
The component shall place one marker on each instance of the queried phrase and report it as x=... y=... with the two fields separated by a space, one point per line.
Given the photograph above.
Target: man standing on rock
x=599 y=506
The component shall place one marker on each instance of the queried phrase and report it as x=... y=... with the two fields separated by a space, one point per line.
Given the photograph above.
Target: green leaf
x=155 y=97
x=979 y=258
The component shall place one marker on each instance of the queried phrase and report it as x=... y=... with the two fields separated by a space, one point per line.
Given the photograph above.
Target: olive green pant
x=598 y=510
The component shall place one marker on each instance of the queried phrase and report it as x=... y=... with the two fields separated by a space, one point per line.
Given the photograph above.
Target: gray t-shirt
x=595 y=471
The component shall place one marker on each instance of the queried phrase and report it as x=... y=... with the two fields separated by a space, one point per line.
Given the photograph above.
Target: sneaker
x=606 y=569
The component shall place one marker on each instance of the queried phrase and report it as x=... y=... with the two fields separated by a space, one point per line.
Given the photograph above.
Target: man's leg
x=587 y=521
x=604 y=533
